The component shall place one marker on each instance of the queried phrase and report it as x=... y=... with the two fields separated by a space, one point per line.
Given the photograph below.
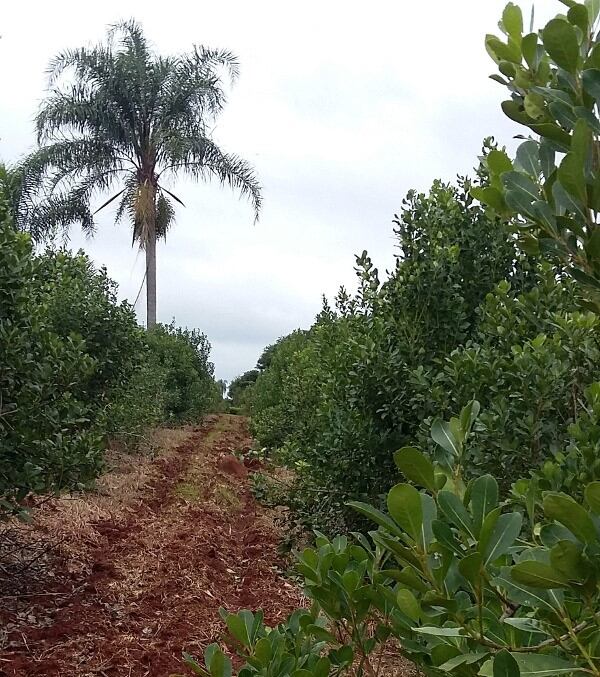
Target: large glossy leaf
x=564 y=114
x=534 y=665
x=498 y=162
x=570 y=514
x=470 y=567
x=538 y=575
x=566 y=558
x=404 y=505
x=565 y=201
x=592 y=496
x=506 y=531
x=376 y=516
x=489 y=196
x=462 y=659
x=512 y=19
x=560 y=41
x=442 y=434
x=578 y=16
x=445 y=536
x=521 y=185
x=505 y=665
x=407 y=603
x=591 y=82
x=484 y=498
x=528 y=158
x=416 y=467
x=502 y=51
x=439 y=632
x=455 y=512
x=523 y=594
x=468 y=416
x=593 y=8
x=572 y=178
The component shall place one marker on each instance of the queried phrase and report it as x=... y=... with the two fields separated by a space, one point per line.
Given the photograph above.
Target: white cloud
x=342 y=107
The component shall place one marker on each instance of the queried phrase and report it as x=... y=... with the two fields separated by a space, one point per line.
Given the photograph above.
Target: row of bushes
x=77 y=369
x=460 y=571
x=464 y=314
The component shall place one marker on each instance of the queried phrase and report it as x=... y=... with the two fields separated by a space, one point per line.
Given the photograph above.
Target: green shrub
x=339 y=399
x=76 y=369
x=239 y=393
x=48 y=438
x=189 y=387
x=465 y=585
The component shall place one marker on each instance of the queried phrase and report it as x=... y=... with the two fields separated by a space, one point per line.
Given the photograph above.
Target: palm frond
x=125 y=115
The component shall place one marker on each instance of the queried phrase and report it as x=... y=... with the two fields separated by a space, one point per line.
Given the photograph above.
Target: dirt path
x=152 y=559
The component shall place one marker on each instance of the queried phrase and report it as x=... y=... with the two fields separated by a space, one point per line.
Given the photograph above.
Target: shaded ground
x=140 y=568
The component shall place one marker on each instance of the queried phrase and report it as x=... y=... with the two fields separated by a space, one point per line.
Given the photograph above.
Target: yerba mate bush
x=76 y=369
x=465 y=584
x=552 y=187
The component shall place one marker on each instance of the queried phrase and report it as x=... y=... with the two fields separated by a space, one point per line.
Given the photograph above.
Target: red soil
x=196 y=541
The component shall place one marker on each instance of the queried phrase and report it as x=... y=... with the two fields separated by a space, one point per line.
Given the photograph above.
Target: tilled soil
x=146 y=583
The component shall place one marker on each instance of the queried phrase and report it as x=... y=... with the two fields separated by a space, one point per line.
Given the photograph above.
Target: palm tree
x=128 y=119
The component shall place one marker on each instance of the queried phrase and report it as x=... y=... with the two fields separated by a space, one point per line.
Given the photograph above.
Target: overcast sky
x=342 y=107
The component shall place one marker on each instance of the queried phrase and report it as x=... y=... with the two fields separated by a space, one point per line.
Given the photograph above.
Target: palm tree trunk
x=151 y=276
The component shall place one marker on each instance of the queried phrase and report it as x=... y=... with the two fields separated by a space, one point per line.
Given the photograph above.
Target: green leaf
x=578 y=16
x=506 y=531
x=566 y=558
x=592 y=496
x=404 y=505
x=512 y=19
x=534 y=106
x=442 y=434
x=591 y=82
x=470 y=567
x=237 y=627
x=542 y=213
x=455 y=512
x=498 y=162
x=538 y=575
x=529 y=159
x=462 y=659
x=593 y=8
x=484 y=498
x=489 y=196
x=439 y=632
x=501 y=51
x=376 y=516
x=572 y=178
x=565 y=201
x=560 y=41
x=522 y=184
x=407 y=603
x=444 y=535
x=534 y=665
x=526 y=624
x=564 y=114
x=429 y=510
x=468 y=416
x=570 y=514
x=521 y=594
x=218 y=664
x=416 y=467
x=529 y=48
x=505 y=665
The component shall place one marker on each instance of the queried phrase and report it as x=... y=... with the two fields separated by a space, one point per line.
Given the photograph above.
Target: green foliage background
x=76 y=369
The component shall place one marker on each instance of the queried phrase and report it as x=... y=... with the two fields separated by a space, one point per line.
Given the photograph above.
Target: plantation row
x=77 y=369
x=450 y=414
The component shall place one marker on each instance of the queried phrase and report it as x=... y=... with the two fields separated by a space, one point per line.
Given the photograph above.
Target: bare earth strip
x=141 y=566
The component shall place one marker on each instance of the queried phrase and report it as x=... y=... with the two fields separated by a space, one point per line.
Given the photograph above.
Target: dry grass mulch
x=132 y=574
